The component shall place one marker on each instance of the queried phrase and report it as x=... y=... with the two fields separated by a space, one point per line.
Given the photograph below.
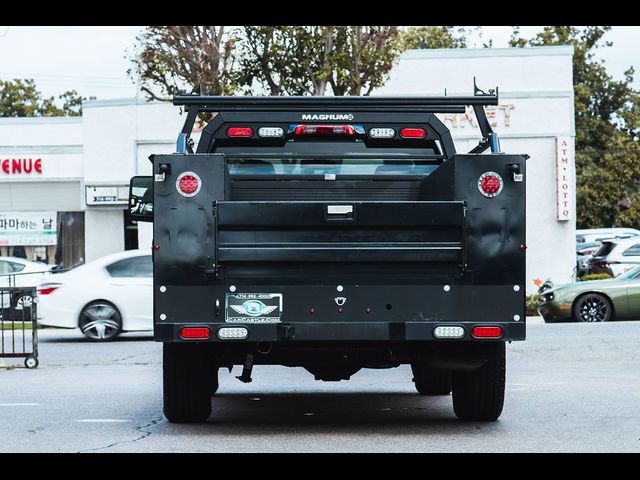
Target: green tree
x=351 y=60
x=607 y=116
x=278 y=60
x=285 y=60
x=172 y=58
x=607 y=190
x=435 y=37
x=21 y=98
x=364 y=56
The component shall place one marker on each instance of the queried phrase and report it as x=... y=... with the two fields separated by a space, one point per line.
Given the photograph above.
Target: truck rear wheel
x=190 y=378
x=431 y=381
x=479 y=394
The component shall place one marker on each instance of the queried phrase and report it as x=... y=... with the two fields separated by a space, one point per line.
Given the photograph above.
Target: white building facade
x=75 y=171
x=535 y=116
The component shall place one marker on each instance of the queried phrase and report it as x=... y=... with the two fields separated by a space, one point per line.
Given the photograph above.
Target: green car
x=594 y=301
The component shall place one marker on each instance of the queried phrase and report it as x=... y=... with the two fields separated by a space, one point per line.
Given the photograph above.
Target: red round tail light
x=188 y=184
x=490 y=184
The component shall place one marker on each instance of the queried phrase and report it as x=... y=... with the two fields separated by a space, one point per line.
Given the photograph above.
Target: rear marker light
x=239 y=131
x=382 y=133
x=237 y=333
x=195 y=333
x=270 y=132
x=325 y=130
x=188 y=184
x=448 y=332
x=490 y=184
x=487 y=332
x=413 y=133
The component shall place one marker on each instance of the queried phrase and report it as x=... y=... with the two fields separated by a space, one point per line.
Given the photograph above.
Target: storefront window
x=55 y=238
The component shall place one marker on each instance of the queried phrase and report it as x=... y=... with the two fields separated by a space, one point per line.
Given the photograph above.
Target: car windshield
x=605 y=249
x=630 y=274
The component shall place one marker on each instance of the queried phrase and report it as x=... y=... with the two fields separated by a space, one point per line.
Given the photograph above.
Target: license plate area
x=253 y=307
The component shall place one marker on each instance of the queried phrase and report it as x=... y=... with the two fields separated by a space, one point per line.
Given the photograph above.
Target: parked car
x=584 y=252
x=102 y=298
x=18 y=272
x=588 y=248
x=600 y=234
x=616 y=256
x=594 y=301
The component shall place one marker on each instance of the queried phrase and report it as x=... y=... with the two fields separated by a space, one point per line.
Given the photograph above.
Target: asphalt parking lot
x=570 y=387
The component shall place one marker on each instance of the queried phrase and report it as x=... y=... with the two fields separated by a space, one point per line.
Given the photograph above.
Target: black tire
x=100 y=321
x=479 y=395
x=592 y=307
x=431 y=381
x=190 y=378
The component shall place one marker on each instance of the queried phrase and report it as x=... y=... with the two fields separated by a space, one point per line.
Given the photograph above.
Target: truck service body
x=334 y=234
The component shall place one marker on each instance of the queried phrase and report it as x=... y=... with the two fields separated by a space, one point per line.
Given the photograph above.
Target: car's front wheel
x=593 y=307
x=100 y=321
x=22 y=305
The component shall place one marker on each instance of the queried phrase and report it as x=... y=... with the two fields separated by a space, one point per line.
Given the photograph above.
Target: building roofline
x=544 y=51
x=39 y=120
x=120 y=102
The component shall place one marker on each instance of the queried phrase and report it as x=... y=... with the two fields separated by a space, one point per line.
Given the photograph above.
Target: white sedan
x=103 y=298
x=18 y=272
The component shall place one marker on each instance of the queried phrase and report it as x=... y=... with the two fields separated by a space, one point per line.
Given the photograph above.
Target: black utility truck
x=335 y=234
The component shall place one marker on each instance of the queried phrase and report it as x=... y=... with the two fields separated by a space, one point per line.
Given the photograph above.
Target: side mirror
x=141 y=198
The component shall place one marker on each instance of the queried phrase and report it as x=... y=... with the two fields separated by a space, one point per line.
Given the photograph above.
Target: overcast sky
x=93 y=60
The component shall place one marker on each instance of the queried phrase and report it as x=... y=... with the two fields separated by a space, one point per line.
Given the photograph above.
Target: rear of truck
x=337 y=234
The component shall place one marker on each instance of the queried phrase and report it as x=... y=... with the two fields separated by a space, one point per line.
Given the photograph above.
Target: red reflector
x=191 y=333
x=487 y=332
x=47 y=290
x=188 y=184
x=413 y=133
x=239 y=131
x=325 y=130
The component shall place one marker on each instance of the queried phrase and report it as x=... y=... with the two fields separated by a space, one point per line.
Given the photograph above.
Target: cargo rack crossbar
x=196 y=104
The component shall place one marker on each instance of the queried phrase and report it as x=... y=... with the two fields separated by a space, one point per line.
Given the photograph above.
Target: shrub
x=532 y=302
x=594 y=276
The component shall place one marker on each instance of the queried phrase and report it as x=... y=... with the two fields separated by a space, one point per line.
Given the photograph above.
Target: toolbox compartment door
x=421 y=231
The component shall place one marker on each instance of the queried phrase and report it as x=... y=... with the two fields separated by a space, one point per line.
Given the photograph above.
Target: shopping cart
x=18 y=324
